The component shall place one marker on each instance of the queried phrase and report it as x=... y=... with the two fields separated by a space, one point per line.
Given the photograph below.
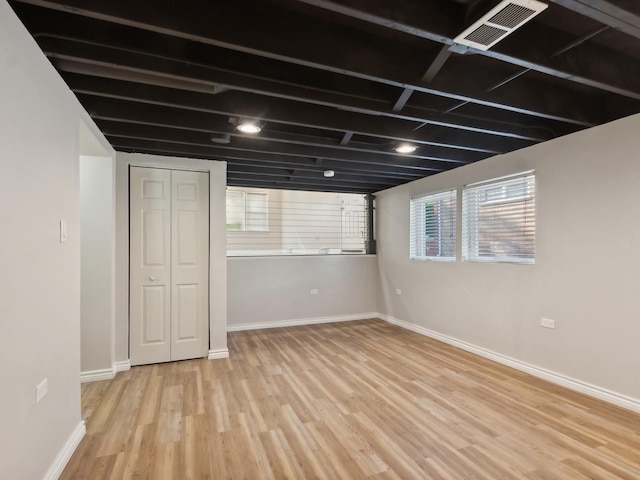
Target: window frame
x=245 y=227
x=471 y=226
x=418 y=226
x=301 y=223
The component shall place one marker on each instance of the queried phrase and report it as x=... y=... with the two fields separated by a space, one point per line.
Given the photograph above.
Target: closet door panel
x=150 y=265
x=190 y=265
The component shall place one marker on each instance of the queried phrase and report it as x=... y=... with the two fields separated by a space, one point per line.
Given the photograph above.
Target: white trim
x=105 y=373
x=122 y=366
x=97 y=375
x=301 y=321
x=63 y=457
x=594 y=391
x=217 y=354
x=281 y=256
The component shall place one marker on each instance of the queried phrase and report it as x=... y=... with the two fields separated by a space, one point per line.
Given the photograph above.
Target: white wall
x=39 y=276
x=275 y=289
x=97 y=219
x=217 y=241
x=585 y=276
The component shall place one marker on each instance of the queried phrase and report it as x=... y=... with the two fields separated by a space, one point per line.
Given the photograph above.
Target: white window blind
x=498 y=220
x=433 y=227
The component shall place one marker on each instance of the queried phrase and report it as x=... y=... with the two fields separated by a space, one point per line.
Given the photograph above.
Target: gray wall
x=97 y=219
x=585 y=276
x=274 y=289
x=39 y=276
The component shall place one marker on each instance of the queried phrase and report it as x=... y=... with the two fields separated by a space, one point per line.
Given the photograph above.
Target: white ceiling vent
x=499 y=22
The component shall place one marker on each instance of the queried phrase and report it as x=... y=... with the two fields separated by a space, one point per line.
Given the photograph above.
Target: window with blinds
x=265 y=222
x=247 y=211
x=498 y=220
x=433 y=227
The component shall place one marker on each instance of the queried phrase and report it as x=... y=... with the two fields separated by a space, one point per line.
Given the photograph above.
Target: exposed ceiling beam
x=282 y=111
x=346 y=138
x=402 y=100
x=514 y=76
x=437 y=64
x=608 y=13
x=163 y=77
x=245 y=179
x=298 y=180
x=233 y=181
x=103 y=61
x=310 y=170
x=210 y=152
x=609 y=76
x=563 y=99
x=240 y=169
x=168 y=133
x=382 y=68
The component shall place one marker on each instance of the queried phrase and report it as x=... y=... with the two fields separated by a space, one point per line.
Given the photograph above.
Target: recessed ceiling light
x=406 y=148
x=329 y=173
x=247 y=126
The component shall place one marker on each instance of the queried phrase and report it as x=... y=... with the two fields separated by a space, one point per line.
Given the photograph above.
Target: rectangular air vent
x=499 y=22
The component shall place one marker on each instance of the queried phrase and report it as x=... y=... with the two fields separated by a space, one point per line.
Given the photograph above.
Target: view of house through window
x=290 y=222
x=498 y=220
x=247 y=212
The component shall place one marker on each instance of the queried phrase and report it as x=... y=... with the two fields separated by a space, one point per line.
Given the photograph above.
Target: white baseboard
x=105 y=373
x=122 y=366
x=301 y=321
x=63 y=457
x=571 y=383
x=219 y=353
x=97 y=375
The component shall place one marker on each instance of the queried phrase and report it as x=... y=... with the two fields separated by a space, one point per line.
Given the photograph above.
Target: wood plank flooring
x=357 y=400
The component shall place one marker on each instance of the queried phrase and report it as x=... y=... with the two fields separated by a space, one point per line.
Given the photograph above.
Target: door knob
x=152 y=278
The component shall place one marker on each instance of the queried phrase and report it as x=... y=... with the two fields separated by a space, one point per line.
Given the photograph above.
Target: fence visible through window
x=289 y=222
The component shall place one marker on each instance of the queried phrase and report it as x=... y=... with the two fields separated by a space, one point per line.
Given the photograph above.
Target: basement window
x=247 y=211
x=269 y=222
x=433 y=227
x=498 y=220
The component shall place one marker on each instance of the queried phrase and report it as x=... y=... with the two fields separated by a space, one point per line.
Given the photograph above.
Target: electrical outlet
x=41 y=390
x=547 y=323
x=398 y=291
x=313 y=291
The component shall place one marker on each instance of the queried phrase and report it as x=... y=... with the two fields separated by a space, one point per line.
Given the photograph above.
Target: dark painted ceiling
x=337 y=84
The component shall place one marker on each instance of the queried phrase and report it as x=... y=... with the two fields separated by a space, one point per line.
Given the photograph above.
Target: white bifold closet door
x=169 y=265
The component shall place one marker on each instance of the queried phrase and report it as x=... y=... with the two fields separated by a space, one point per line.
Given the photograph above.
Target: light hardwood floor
x=357 y=400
